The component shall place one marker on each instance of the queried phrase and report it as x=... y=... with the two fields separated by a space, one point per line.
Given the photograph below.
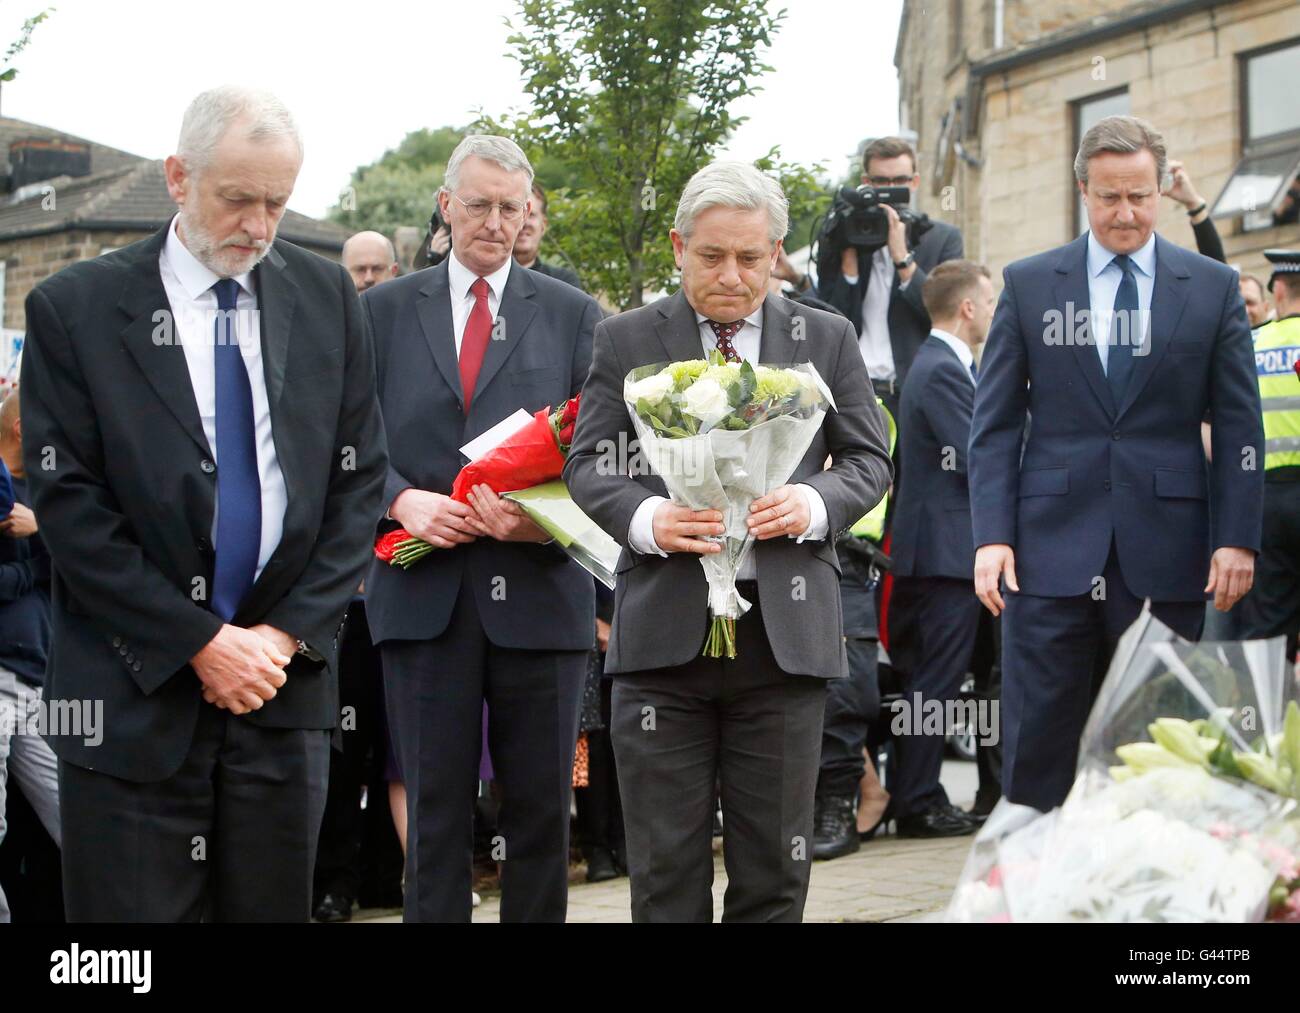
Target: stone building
x=64 y=199
x=998 y=93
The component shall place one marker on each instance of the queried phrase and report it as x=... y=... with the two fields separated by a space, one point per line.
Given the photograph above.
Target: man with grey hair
x=679 y=720
x=496 y=612
x=1118 y=344
x=205 y=454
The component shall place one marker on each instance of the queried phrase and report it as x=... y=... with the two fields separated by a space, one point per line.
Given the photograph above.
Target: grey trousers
x=29 y=757
x=742 y=722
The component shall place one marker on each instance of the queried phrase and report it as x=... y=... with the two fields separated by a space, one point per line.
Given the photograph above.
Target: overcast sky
x=359 y=76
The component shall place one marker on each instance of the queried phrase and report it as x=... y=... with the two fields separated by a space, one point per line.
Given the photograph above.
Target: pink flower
x=994 y=878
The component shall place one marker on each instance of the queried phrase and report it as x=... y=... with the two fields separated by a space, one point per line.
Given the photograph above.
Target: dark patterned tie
x=725 y=332
x=1119 y=360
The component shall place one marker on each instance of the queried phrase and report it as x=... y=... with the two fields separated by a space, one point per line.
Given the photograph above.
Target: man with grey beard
x=206 y=457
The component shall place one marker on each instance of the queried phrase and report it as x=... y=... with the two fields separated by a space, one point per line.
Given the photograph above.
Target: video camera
x=857 y=218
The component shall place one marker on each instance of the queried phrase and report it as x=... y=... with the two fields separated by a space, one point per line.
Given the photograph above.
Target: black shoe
x=333 y=907
x=984 y=805
x=880 y=824
x=835 y=830
x=600 y=866
x=939 y=821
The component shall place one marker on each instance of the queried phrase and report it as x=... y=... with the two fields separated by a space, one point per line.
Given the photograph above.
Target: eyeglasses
x=510 y=209
x=890 y=180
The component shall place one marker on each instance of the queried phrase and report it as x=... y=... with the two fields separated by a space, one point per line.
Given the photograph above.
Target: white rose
x=706 y=401
x=653 y=388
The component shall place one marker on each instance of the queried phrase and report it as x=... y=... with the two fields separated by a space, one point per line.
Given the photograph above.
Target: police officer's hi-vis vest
x=872 y=523
x=1277 y=349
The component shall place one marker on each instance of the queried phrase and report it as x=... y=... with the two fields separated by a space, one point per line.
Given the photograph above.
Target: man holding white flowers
x=680 y=721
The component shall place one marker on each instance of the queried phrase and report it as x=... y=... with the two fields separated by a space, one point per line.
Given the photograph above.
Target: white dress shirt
x=188 y=284
x=460 y=278
x=640 y=533
x=873 y=342
x=1104 y=277
x=959 y=348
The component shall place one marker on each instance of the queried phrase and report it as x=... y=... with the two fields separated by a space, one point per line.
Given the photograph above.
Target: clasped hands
x=241 y=669
x=445 y=523
x=783 y=511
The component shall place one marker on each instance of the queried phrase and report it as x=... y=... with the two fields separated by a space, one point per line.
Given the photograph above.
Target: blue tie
x=239 y=490
x=974 y=372
x=1119 y=363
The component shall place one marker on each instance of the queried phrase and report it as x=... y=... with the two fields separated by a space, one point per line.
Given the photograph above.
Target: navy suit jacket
x=529 y=596
x=1134 y=473
x=932 y=532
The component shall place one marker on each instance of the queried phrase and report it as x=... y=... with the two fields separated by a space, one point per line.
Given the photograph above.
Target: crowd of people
x=273 y=724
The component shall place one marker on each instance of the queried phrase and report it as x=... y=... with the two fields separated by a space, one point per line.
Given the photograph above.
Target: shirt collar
x=958 y=346
x=1143 y=258
x=460 y=277
x=755 y=318
x=195 y=276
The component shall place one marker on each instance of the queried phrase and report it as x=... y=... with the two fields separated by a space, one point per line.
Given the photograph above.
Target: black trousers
x=935 y=625
x=1272 y=607
x=1055 y=652
x=599 y=805
x=435 y=693
x=359 y=855
x=230 y=837
x=742 y=722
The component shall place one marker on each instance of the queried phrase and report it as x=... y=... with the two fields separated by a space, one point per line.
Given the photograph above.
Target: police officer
x=1272 y=607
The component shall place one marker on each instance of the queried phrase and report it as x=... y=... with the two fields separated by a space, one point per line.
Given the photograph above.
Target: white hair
x=733 y=185
x=501 y=150
x=211 y=114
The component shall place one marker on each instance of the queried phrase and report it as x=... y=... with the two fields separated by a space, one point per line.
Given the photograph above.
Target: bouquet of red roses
x=533 y=455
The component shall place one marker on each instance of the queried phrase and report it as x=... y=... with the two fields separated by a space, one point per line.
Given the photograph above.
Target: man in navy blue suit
x=1117 y=345
x=935 y=614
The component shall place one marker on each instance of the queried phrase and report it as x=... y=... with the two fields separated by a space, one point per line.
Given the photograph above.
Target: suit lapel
x=678 y=330
x=513 y=318
x=154 y=340
x=778 y=345
x=277 y=298
x=1070 y=295
x=434 y=311
x=1168 y=298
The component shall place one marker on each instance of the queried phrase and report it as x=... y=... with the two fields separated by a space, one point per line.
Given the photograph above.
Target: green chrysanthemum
x=686 y=373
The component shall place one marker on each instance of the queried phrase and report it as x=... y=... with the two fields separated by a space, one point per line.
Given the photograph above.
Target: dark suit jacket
x=557 y=272
x=661 y=604
x=24 y=600
x=529 y=596
x=124 y=487
x=1093 y=471
x=909 y=323
x=932 y=534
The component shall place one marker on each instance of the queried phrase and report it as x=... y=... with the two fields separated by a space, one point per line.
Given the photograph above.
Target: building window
x=1262 y=188
x=1088 y=113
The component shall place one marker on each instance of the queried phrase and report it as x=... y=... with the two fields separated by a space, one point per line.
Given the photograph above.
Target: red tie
x=474 y=342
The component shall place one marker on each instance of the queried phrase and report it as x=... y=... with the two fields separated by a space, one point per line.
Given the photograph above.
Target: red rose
x=386 y=545
x=570 y=415
x=566 y=435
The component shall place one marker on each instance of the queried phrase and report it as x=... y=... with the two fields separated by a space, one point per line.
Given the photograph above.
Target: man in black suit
x=494 y=612
x=529 y=242
x=880 y=290
x=200 y=602
x=936 y=615
x=681 y=721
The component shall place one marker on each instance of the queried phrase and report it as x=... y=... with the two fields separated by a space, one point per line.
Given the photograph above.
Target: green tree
x=398 y=188
x=637 y=97
x=7 y=69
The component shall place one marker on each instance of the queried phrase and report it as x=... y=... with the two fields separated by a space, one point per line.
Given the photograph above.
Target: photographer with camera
x=874 y=254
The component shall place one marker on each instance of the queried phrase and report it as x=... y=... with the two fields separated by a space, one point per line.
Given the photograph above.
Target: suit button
x=136 y=667
x=117 y=641
x=207 y=466
x=203 y=544
x=122 y=650
x=1114 y=435
x=1107 y=484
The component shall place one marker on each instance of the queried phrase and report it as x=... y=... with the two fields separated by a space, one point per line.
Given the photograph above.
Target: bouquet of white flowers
x=1186 y=805
x=722 y=435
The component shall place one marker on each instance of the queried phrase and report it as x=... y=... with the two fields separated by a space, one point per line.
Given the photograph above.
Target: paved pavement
x=889 y=879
